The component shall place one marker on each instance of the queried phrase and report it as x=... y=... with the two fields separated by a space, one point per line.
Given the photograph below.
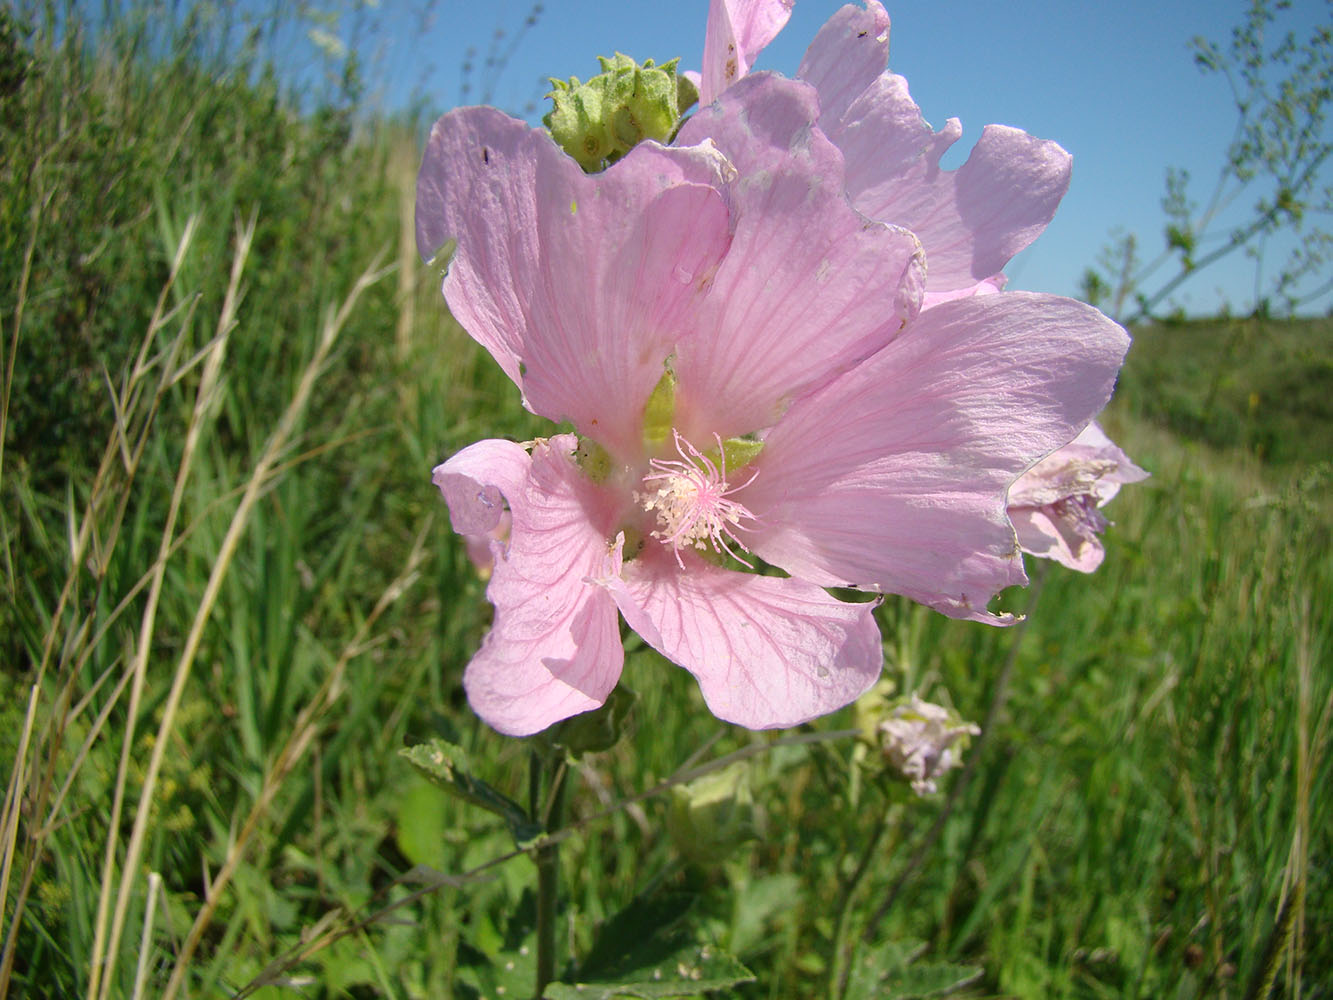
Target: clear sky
x=1114 y=83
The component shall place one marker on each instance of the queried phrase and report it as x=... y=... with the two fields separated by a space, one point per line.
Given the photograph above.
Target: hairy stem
x=548 y=873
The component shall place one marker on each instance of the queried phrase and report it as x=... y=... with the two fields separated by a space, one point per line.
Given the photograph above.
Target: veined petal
x=767 y=652
x=737 y=31
x=850 y=51
x=972 y=220
x=554 y=647
x=809 y=286
x=895 y=476
x=579 y=285
x=477 y=480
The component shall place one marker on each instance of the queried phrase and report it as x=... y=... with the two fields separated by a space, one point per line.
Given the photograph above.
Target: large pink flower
x=688 y=297
x=971 y=220
x=1055 y=505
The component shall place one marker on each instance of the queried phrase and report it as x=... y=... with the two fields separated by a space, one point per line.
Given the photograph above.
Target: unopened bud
x=712 y=815
x=599 y=121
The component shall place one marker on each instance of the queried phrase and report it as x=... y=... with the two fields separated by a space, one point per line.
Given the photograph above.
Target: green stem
x=548 y=873
x=838 y=968
x=999 y=693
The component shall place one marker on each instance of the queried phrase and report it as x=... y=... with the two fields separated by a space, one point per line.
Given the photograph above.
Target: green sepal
x=738 y=452
x=659 y=413
x=594 y=460
x=687 y=94
x=595 y=731
x=446 y=765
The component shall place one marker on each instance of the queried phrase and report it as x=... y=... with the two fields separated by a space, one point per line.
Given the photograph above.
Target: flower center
x=691 y=498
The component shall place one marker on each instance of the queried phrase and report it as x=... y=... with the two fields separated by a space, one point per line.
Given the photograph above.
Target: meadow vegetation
x=231 y=594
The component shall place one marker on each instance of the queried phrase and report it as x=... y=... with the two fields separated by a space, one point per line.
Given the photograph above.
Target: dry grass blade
x=255 y=486
x=205 y=399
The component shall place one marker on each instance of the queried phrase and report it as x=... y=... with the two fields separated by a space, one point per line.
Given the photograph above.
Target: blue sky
x=1114 y=83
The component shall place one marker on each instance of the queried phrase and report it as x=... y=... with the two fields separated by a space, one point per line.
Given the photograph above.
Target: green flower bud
x=599 y=121
x=712 y=815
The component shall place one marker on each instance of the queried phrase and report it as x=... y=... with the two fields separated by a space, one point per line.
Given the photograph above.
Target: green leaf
x=685 y=973
x=446 y=764
x=420 y=822
x=647 y=951
x=886 y=971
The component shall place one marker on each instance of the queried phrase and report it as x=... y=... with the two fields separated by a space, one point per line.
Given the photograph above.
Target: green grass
x=230 y=379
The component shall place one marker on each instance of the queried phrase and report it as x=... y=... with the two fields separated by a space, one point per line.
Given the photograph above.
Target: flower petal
x=809 y=286
x=554 y=647
x=737 y=32
x=848 y=54
x=578 y=285
x=971 y=220
x=895 y=476
x=1048 y=537
x=767 y=652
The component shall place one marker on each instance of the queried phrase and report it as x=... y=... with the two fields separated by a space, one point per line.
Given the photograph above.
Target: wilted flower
x=922 y=741
x=1055 y=505
x=750 y=375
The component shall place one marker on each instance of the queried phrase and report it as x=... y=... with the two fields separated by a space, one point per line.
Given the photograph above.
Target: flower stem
x=548 y=867
x=999 y=693
x=838 y=966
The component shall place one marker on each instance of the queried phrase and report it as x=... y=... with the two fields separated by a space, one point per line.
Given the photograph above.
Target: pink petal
x=990 y=286
x=1049 y=537
x=809 y=287
x=971 y=220
x=578 y=285
x=767 y=652
x=737 y=31
x=848 y=54
x=554 y=647
x=895 y=476
x=476 y=481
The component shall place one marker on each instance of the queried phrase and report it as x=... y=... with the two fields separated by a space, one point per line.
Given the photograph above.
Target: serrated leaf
x=647 y=950
x=446 y=765
x=507 y=974
x=887 y=971
x=922 y=982
x=686 y=972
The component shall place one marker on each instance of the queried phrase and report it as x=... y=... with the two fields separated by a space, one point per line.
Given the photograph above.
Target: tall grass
x=231 y=595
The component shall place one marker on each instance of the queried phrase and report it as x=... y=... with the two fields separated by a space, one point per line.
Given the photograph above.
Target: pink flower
x=737 y=31
x=1055 y=505
x=750 y=377
x=971 y=220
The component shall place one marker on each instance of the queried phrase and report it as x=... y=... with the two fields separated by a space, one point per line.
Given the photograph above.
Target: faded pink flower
x=971 y=220
x=1055 y=505
x=923 y=741
x=750 y=376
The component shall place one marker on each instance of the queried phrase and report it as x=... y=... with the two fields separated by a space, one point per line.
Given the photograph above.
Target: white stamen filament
x=691 y=500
